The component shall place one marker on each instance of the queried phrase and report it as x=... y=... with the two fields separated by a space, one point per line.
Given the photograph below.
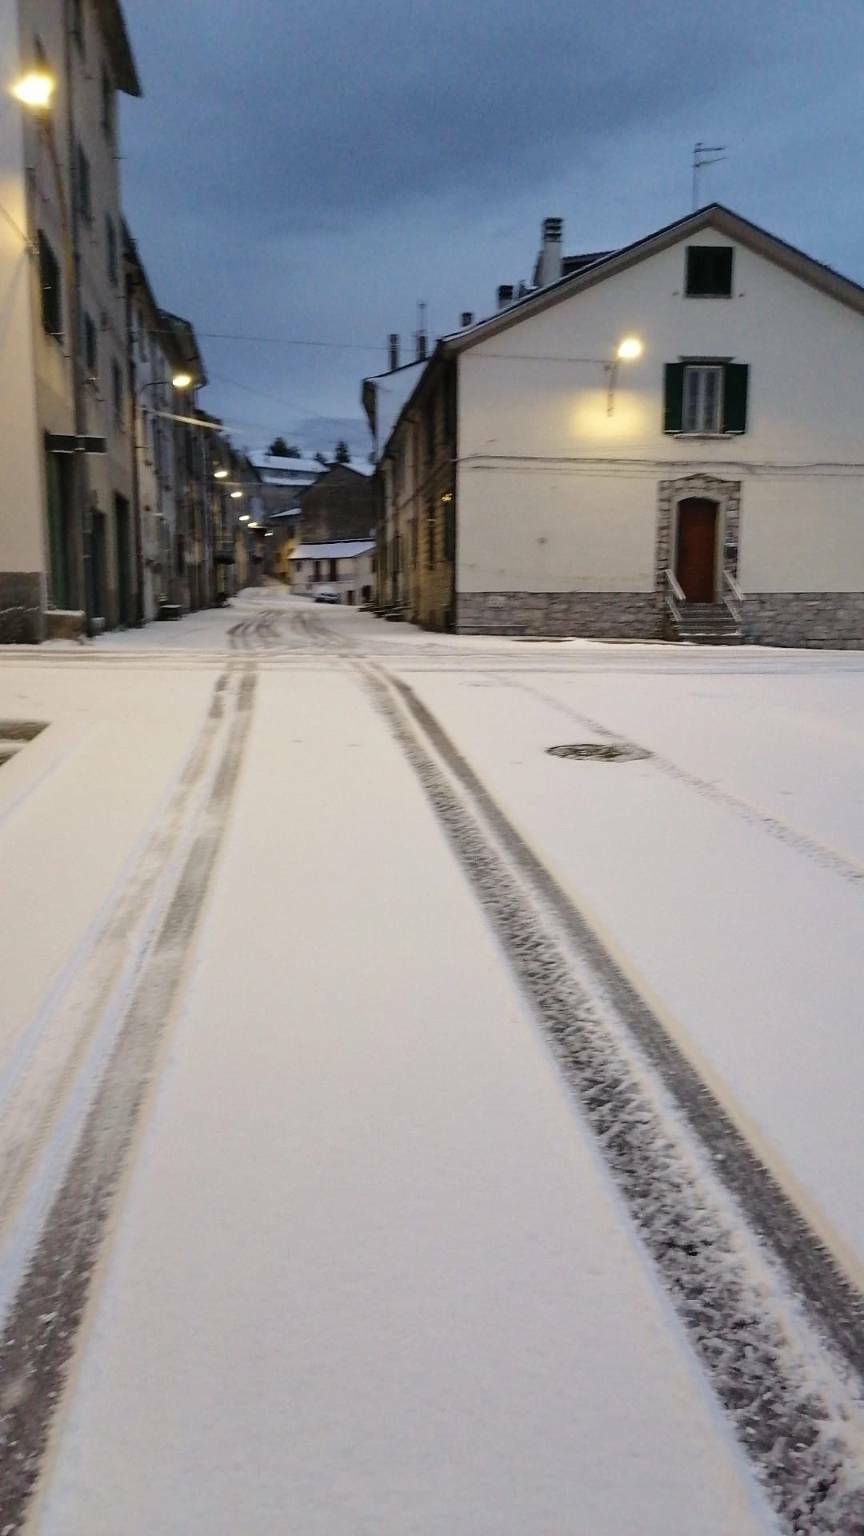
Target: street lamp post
x=180 y=381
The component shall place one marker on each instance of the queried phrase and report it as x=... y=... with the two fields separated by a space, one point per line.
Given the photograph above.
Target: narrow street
x=394 y=1136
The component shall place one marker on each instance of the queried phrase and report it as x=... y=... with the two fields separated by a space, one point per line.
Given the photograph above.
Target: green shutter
x=673 y=397
x=735 y=397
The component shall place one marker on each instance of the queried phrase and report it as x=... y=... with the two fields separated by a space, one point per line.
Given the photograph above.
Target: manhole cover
x=601 y=752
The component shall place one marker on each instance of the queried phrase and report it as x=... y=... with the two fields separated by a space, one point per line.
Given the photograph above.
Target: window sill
x=709 y=295
x=705 y=437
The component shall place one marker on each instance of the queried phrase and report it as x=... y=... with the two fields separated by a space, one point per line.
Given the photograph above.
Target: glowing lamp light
x=244 y=517
x=236 y=495
x=629 y=349
x=220 y=474
x=182 y=380
x=35 y=89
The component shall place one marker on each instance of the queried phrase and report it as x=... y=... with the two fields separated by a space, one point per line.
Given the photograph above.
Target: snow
x=393 y=391
x=369 y=1274
x=346 y=549
x=727 y=881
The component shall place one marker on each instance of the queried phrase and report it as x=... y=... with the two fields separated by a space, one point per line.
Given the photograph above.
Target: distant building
x=665 y=442
x=346 y=566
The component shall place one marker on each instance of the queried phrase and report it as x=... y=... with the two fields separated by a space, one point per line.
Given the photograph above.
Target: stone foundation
x=22 y=621
x=828 y=620
x=589 y=615
x=64 y=624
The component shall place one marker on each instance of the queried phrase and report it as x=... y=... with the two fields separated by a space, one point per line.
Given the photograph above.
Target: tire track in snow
x=39 y=1335
x=820 y=853
x=778 y=1331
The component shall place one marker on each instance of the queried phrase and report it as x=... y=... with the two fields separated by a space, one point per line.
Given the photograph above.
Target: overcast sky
x=309 y=169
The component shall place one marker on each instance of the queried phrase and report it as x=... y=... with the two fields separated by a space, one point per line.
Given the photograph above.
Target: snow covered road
x=404 y=1230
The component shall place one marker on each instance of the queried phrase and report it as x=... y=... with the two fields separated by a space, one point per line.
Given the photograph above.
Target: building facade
x=665 y=442
x=345 y=568
x=77 y=536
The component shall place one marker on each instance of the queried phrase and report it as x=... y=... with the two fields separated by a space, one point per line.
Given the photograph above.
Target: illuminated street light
x=629 y=349
x=244 y=517
x=182 y=380
x=236 y=495
x=35 y=89
x=220 y=474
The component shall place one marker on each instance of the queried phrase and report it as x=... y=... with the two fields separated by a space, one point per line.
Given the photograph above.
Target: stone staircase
x=705 y=624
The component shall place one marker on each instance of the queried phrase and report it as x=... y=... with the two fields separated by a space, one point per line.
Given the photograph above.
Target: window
x=49 y=282
x=709 y=272
x=78 y=23
x=707 y=397
x=117 y=390
x=449 y=532
x=107 y=104
x=430 y=538
x=111 y=249
x=91 y=348
x=333 y=573
x=85 y=199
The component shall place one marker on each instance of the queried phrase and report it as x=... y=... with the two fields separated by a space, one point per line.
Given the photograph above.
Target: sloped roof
x=113 y=25
x=343 y=549
x=714 y=216
x=385 y=394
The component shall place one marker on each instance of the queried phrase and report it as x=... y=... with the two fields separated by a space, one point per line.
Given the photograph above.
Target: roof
x=385 y=394
x=290 y=466
x=113 y=25
x=343 y=549
x=713 y=216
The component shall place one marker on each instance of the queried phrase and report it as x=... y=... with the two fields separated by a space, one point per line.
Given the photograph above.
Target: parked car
x=326 y=595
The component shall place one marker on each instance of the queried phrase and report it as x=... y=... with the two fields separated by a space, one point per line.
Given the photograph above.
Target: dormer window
x=709 y=272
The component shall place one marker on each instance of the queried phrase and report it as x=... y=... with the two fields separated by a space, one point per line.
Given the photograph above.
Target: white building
x=67 y=534
x=346 y=566
x=712 y=483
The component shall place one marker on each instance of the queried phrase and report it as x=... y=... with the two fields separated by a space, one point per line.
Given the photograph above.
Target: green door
x=58 y=480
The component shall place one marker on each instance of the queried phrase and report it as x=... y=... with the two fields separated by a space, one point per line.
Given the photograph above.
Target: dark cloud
x=311 y=168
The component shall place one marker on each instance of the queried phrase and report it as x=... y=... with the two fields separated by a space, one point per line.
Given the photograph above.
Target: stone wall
x=22 y=621
x=830 y=620
x=592 y=615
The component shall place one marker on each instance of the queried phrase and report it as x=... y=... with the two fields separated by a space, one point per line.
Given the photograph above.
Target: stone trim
x=727 y=493
x=592 y=615
x=827 y=620
x=22 y=621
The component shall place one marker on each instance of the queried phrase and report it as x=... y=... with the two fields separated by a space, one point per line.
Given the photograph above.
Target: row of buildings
x=662 y=441
x=120 y=499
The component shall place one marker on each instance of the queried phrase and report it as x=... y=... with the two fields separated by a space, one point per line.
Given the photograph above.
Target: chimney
x=467 y=318
x=505 y=295
x=393 y=351
x=550 y=251
x=421 y=346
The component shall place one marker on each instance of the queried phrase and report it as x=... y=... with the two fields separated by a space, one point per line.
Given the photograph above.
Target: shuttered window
x=49 y=282
x=705 y=398
x=709 y=272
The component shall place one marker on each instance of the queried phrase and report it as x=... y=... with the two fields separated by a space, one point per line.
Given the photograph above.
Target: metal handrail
x=731 y=583
x=677 y=589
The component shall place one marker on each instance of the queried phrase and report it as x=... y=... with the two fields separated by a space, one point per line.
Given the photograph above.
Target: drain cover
x=601 y=752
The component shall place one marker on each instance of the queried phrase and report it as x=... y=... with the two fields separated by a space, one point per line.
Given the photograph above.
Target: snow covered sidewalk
x=369 y=1276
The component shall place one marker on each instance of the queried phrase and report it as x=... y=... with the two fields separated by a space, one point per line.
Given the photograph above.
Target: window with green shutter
x=706 y=398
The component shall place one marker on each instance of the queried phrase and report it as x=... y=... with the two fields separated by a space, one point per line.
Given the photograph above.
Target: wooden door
x=696 y=553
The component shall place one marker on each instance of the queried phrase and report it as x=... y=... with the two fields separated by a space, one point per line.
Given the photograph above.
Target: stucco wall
x=556 y=494
x=22 y=555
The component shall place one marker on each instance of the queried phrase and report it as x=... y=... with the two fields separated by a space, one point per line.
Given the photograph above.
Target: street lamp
x=236 y=495
x=220 y=474
x=629 y=350
x=35 y=90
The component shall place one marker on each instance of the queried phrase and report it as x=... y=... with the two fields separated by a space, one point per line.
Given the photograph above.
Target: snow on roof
x=269 y=461
x=345 y=549
x=393 y=391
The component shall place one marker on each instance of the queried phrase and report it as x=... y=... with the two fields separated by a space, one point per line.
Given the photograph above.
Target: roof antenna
x=705 y=154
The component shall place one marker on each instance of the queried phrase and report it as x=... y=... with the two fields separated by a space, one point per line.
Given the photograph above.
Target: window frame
x=91 y=348
x=112 y=252
x=702 y=427
x=118 y=392
x=708 y=293
x=50 y=283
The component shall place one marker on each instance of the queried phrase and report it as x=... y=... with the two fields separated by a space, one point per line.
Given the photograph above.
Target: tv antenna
x=705 y=154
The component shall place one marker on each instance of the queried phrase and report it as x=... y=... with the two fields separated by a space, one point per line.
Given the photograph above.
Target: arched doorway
x=696 y=549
